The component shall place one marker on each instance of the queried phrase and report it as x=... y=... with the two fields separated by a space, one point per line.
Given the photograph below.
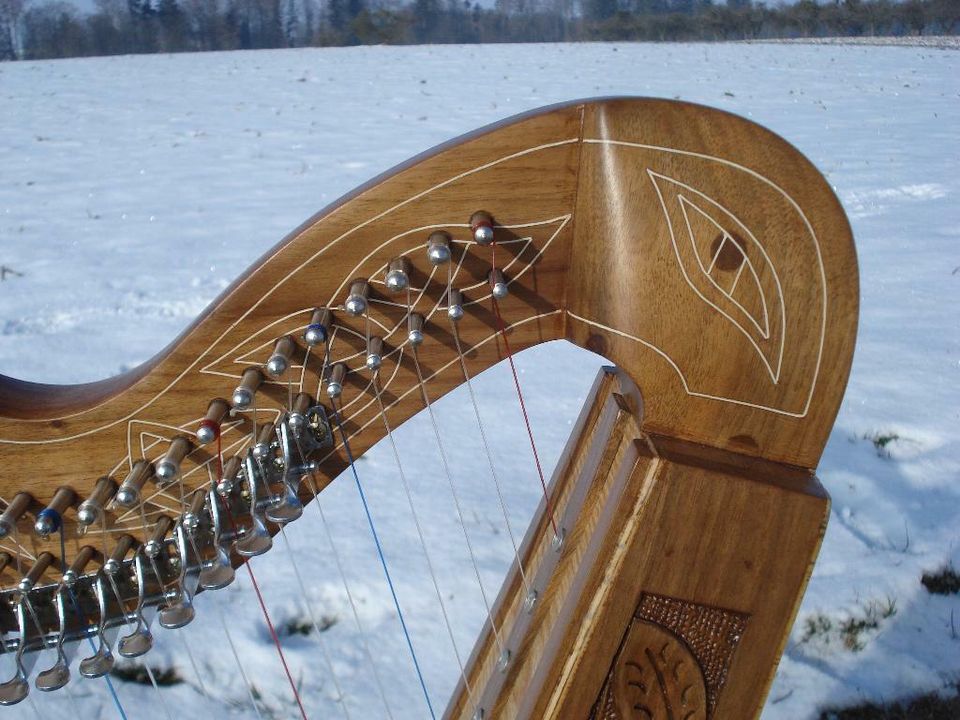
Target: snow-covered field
x=133 y=189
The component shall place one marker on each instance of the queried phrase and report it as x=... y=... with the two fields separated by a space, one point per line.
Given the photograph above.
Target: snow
x=133 y=189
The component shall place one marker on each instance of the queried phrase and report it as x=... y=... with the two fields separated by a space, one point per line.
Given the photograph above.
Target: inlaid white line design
x=328 y=246
x=745 y=262
x=765 y=333
x=268 y=293
x=819 y=256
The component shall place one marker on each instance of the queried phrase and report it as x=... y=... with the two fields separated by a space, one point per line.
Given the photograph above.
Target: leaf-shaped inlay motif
x=727 y=267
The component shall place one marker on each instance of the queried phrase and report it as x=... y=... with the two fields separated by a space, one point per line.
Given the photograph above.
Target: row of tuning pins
x=167 y=468
x=397 y=279
x=277 y=457
x=106 y=492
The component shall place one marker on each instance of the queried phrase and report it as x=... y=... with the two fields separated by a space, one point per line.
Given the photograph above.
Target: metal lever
x=256 y=539
x=17 y=688
x=289 y=508
x=139 y=641
x=101 y=662
x=179 y=610
x=70 y=617
x=218 y=573
x=58 y=675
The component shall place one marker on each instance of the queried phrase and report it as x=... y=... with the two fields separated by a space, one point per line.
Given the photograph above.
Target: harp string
x=489 y=456
x=350 y=598
x=313 y=621
x=146 y=666
x=193 y=663
x=456 y=498
x=270 y=627
x=375 y=382
x=33 y=706
x=383 y=560
x=423 y=543
x=483 y=435
x=523 y=406
x=342 y=574
x=215 y=601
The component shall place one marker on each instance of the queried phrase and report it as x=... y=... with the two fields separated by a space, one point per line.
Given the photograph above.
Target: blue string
x=76 y=609
x=383 y=561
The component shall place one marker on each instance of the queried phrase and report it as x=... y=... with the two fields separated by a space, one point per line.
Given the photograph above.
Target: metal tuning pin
x=15 y=510
x=398 y=275
x=481 y=226
x=374 y=353
x=279 y=361
x=209 y=428
x=115 y=561
x=50 y=519
x=356 y=302
x=231 y=470
x=438 y=248
x=193 y=515
x=318 y=330
x=255 y=539
x=157 y=540
x=454 y=304
x=34 y=574
x=335 y=383
x=139 y=641
x=128 y=494
x=91 y=509
x=218 y=573
x=415 y=329
x=266 y=441
x=498 y=285
x=250 y=382
x=168 y=467
x=79 y=564
x=297 y=417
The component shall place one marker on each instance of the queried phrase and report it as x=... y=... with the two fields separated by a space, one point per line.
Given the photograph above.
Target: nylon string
x=236 y=657
x=523 y=405
x=76 y=609
x=383 y=560
x=453 y=489
x=483 y=439
x=423 y=543
x=266 y=614
x=313 y=621
x=353 y=604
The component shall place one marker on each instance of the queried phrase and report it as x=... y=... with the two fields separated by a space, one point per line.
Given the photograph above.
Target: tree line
x=36 y=29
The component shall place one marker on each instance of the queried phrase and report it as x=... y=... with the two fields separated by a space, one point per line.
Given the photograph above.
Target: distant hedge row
x=55 y=29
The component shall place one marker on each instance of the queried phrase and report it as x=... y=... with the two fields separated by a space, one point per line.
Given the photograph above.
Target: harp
x=703 y=256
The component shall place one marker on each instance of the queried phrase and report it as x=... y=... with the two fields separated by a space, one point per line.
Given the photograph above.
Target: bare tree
x=11 y=12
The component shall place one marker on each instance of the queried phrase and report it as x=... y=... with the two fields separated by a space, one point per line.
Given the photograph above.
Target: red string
x=256 y=588
x=523 y=406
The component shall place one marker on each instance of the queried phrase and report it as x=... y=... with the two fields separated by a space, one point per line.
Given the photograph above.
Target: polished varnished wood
x=701 y=254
